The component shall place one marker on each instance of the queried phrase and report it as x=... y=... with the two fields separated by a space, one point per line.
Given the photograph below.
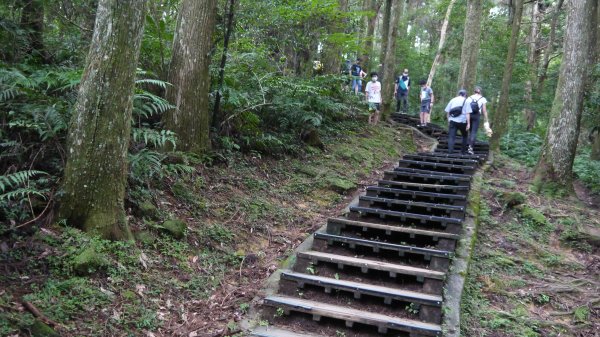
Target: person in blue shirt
x=457 y=112
x=357 y=74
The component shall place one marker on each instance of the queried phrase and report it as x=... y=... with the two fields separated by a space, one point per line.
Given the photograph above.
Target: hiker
x=346 y=70
x=457 y=111
x=477 y=103
x=357 y=74
x=373 y=94
x=401 y=89
x=426 y=102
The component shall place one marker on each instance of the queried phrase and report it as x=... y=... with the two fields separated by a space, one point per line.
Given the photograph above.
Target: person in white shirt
x=457 y=112
x=373 y=94
x=477 y=104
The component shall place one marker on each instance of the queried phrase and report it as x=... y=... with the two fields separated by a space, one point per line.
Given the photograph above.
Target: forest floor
x=536 y=264
x=243 y=217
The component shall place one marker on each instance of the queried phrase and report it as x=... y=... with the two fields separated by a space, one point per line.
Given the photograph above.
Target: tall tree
x=549 y=48
x=594 y=57
x=442 y=42
x=217 y=118
x=533 y=56
x=32 y=22
x=558 y=153
x=332 y=53
x=372 y=8
x=188 y=74
x=470 y=46
x=500 y=118
x=96 y=169
x=388 y=55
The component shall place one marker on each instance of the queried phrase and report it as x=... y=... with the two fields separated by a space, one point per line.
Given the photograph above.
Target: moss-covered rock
x=175 y=228
x=89 y=261
x=41 y=329
x=590 y=234
x=512 y=199
x=147 y=209
x=340 y=185
x=145 y=237
x=532 y=214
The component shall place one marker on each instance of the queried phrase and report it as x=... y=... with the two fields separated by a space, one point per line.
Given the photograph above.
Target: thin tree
x=442 y=42
x=470 y=46
x=388 y=55
x=500 y=117
x=372 y=8
x=32 y=22
x=188 y=74
x=332 y=52
x=217 y=118
x=533 y=56
x=96 y=169
x=593 y=81
x=555 y=166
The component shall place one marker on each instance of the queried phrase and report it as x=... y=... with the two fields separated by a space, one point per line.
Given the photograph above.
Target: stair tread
x=396 y=228
x=406 y=214
x=413 y=203
x=428 y=163
x=353 y=315
x=372 y=264
x=466 y=177
x=436 y=186
x=385 y=245
x=270 y=331
x=365 y=287
x=422 y=193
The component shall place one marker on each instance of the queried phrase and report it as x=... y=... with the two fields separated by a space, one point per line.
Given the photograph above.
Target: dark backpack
x=457 y=110
x=475 y=105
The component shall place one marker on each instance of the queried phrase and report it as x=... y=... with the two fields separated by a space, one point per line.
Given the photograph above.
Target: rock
x=175 y=228
x=311 y=137
x=590 y=234
x=512 y=199
x=340 y=185
x=41 y=329
x=145 y=237
x=147 y=209
x=534 y=215
x=89 y=261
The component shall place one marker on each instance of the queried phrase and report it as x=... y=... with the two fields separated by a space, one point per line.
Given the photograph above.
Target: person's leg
x=405 y=102
x=473 y=130
x=465 y=137
x=398 y=103
x=451 y=136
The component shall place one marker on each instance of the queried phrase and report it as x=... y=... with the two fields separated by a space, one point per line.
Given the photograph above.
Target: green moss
x=175 y=228
x=340 y=185
x=512 y=199
x=89 y=261
x=145 y=237
x=41 y=329
x=533 y=215
x=147 y=209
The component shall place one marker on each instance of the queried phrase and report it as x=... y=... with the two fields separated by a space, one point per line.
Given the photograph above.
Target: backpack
x=457 y=110
x=401 y=84
x=475 y=105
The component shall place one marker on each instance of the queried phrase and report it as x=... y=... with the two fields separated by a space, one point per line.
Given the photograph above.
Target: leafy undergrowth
x=536 y=266
x=205 y=242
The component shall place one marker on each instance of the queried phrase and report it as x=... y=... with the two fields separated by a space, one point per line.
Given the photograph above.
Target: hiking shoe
x=470 y=150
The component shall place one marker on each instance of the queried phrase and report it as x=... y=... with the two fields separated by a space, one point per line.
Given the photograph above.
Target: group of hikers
x=463 y=112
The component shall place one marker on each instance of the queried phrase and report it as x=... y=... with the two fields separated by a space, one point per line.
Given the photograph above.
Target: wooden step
x=479 y=158
x=425 y=187
x=466 y=177
x=445 y=160
x=402 y=216
x=335 y=226
x=386 y=293
x=383 y=323
x=425 y=178
x=449 y=168
x=365 y=265
x=439 y=259
x=271 y=331
x=398 y=193
x=418 y=207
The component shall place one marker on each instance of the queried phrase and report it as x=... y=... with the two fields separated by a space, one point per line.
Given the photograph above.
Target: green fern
x=157 y=139
x=18 y=178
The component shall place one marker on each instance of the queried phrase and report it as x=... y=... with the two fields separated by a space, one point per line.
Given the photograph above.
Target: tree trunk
x=500 y=118
x=555 y=166
x=32 y=22
x=217 y=117
x=388 y=58
x=549 y=48
x=372 y=6
x=470 y=46
x=188 y=73
x=438 y=54
x=332 y=52
x=595 y=154
x=532 y=60
x=96 y=169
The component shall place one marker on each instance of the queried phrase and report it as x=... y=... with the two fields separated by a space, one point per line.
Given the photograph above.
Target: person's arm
x=485 y=115
x=468 y=121
x=362 y=73
x=432 y=97
x=395 y=88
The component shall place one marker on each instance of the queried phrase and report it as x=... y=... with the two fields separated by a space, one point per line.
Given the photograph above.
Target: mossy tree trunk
x=549 y=48
x=558 y=153
x=332 y=53
x=388 y=55
x=188 y=74
x=533 y=56
x=372 y=7
x=96 y=169
x=470 y=45
x=500 y=117
x=443 y=33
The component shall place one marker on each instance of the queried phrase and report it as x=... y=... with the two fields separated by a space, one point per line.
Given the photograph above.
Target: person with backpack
x=373 y=95
x=457 y=111
x=476 y=103
x=357 y=74
x=426 y=102
x=401 y=89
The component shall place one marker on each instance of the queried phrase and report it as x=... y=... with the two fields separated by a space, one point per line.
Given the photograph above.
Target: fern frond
x=21 y=193
x=155 y=82
x=18 y=178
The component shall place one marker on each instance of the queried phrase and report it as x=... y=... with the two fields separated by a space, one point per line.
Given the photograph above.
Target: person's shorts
x=374 y=107
x=401 y=94
x=426 y=106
